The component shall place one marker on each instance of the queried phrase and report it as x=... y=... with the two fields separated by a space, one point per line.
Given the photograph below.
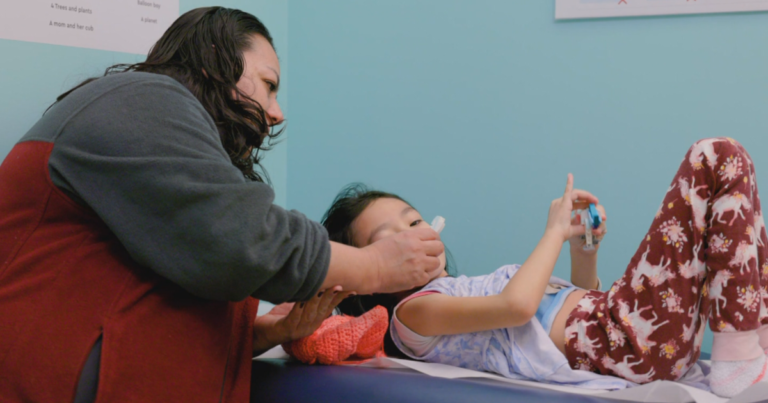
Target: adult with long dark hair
x=136 y=236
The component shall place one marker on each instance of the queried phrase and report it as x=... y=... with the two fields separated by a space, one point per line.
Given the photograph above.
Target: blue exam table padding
x=279 y=381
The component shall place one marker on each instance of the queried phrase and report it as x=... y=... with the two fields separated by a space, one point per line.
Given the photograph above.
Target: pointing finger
x=568 y=186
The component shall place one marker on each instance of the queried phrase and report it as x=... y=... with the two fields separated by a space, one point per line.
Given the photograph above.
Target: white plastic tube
x=438 y=224
x=587 y=221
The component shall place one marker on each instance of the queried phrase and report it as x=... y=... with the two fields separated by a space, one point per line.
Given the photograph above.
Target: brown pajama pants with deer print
x=704 y=259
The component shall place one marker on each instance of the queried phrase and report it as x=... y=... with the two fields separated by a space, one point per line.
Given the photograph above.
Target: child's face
x=385 y=217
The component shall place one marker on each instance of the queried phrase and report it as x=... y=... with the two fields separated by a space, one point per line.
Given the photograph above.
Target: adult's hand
x=406 y=259
x=292 y=321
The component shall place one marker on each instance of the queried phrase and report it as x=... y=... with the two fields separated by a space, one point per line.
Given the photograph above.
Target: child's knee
x=714 y=151
x=730 y=148
x=721 y=141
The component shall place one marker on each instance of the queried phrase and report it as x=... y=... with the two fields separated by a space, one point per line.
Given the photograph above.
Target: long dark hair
x=348 y=205
x=203 y=50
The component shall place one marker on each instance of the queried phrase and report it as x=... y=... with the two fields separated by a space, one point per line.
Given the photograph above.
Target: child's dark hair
x=348 y=205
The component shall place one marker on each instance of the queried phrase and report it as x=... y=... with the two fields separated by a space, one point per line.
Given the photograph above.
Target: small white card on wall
x=130 y=26
x=572 y=9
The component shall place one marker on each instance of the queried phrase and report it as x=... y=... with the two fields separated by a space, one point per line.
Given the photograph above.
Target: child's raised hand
x=560 y=211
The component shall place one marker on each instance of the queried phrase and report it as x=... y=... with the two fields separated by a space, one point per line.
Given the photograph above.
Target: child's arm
x=584 y=270
x=438 y=314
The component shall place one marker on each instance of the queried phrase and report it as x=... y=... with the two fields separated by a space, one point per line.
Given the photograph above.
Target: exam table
x=280 y=381
x=287 y=381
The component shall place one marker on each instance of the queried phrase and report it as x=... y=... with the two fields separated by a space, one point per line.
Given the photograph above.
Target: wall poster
x=130 y=26
x=572 y=9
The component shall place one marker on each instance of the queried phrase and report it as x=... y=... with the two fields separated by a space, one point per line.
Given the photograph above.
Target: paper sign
x=130 y=26
x=570 y=9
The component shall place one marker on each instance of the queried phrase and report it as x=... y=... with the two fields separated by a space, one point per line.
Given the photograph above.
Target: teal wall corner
x=477 y=110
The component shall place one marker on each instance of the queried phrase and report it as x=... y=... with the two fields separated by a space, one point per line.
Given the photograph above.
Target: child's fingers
x=601 y=210
x=577 y=230
x=576 y=220
x=583 y=195
x=584 y=204
x=580 y=204
x=568 y=186
x=602 y=230
x=598 y=232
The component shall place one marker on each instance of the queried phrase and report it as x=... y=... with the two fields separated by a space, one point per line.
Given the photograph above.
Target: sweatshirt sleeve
x=147 y=158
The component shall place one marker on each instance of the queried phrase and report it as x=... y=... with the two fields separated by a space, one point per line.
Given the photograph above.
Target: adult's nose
x=275 y=114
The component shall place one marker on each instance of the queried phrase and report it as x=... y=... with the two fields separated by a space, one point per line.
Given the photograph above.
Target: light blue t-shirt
x=520 y=352
x=549 y=307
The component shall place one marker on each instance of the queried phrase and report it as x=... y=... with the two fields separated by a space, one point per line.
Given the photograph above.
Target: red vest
x=66 y=280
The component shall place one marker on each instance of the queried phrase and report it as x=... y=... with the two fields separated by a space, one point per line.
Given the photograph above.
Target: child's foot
x=729 y=378
x=762 y=334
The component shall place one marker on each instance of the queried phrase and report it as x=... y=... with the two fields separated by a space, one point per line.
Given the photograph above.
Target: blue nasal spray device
x=591 y=220
x=594 y=216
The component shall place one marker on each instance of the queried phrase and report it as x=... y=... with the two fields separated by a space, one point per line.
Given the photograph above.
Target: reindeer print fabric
x=703 y=260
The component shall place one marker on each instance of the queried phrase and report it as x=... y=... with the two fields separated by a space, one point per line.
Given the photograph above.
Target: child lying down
x=704 y=259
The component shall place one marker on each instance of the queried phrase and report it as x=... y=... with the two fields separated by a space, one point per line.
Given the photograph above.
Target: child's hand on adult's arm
x=292 y=321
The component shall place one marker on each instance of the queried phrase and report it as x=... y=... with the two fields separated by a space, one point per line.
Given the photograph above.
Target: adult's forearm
x=584 y=270
x=352 y=268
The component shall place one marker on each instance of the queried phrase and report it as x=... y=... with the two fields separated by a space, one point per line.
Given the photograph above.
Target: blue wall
x=33 y=74
x=477 y=110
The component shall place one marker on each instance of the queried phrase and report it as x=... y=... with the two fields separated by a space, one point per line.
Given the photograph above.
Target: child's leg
x=762 y=241
x=649 y=326
x=737 y=357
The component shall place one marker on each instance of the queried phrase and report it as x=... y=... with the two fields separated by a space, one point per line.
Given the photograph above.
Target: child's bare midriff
x=557 y=334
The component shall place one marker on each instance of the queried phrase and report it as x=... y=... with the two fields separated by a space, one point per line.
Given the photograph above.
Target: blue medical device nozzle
x=595 y=216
